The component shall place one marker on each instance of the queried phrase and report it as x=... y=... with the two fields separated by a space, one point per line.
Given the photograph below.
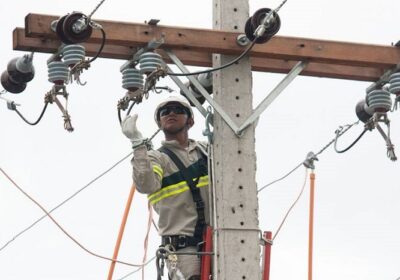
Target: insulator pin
x=73 y=54
x=132 y=79
x=58 y=72
x=150 y=61
x=379 y=100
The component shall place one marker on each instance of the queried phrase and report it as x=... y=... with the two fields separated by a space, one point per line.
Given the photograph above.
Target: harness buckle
x=181 y=241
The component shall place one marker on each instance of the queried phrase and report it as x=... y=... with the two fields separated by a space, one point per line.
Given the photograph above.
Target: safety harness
x=182 y=241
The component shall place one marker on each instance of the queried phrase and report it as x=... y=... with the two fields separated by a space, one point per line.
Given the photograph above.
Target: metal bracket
x=309 y=161
x=296 y=70
x=209 y=119
x=187 y=92
x=152 y=45
x=238 y=130
x=383 y=79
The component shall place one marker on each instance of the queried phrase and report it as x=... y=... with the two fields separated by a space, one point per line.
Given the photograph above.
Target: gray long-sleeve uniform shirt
x=155 y=174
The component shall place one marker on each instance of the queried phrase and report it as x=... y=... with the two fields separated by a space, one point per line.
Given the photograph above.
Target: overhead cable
x=95 y=9
x=236 y=60
x=137 y=270
x=280 y=179
x=25 y=120
x=352 y=144
x=291 y=207
x=65 y=201
x=339 y=132
x=61 y=228
x=245 y=52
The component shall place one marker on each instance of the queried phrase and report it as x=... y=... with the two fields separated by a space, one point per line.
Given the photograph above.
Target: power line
x=65 y=201
x=61 y=228
x=280 y=179
x=137 y=270
x=339 y=132
x=291 y=207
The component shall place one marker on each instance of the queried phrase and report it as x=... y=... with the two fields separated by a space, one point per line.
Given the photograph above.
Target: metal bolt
x=53 y=25
x=242 y=40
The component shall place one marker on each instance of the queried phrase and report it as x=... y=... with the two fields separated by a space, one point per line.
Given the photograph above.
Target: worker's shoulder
x=155 y=153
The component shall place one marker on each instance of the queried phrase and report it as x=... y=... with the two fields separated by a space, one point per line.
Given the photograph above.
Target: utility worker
x=175 y=178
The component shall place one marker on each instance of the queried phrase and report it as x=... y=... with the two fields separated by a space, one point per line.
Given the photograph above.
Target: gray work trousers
x=187 y=265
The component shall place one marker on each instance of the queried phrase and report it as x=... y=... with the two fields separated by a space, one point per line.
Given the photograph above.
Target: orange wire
x=121 y=231
x=146 y=240
x=61 y=228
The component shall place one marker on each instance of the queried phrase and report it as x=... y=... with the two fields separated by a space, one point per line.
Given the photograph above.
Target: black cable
x=218 y=68
x=130 y=108
x=351 y=145
x=38 y=120
x=119 y=116
x=103 y=42
x=129 y=111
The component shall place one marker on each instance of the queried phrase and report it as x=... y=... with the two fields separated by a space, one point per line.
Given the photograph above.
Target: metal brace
x=238 y=130
x=264 y=241
x=207 y=132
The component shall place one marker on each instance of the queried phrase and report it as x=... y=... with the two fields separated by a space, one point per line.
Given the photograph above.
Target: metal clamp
x=209 y=119
x=152 y=45
x=51 y=97
x=382 y=117
x=309 y=161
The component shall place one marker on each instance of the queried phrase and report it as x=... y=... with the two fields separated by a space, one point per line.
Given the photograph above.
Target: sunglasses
x=175 y=109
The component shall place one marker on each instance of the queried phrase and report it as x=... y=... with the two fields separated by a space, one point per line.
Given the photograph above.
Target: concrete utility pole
x=237 y=233
x=237 y=236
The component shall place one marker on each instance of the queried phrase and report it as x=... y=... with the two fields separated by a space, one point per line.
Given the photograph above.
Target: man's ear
x=190 y=122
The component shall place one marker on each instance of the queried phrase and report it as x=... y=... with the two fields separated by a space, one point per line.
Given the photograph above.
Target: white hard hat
x=173 y=99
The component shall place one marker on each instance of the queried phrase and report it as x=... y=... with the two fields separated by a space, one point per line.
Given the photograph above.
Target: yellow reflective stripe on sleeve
x=157 y=169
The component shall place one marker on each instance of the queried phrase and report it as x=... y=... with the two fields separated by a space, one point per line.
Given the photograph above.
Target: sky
x=357 y=198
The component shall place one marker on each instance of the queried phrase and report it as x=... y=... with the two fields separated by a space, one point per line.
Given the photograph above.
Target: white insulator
x=132 y=79
x=149 y=62
x=72 y=54
x=379 y=100
x=58 y=72
x=394 y=81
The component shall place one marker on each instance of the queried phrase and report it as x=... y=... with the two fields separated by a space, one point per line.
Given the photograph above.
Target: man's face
x=173 y=118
